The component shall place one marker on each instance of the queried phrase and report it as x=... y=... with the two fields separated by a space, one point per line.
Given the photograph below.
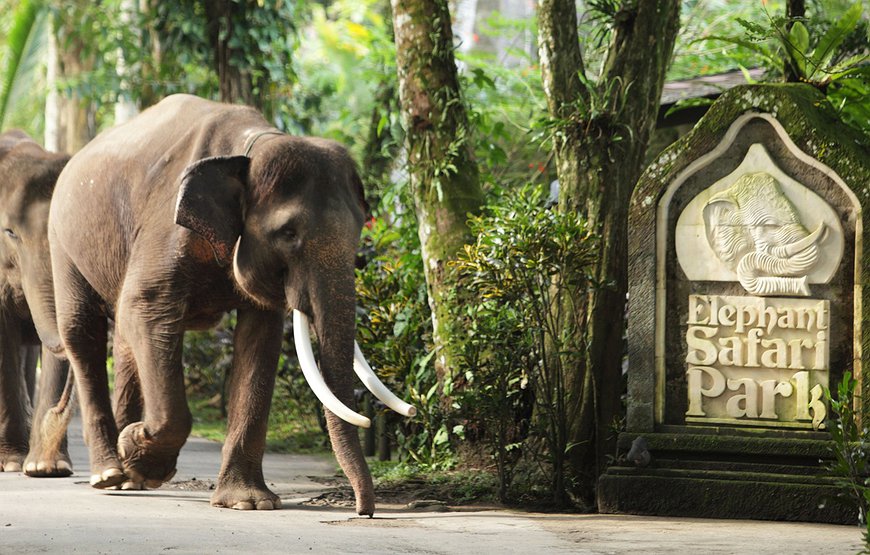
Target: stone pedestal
x=746 y=302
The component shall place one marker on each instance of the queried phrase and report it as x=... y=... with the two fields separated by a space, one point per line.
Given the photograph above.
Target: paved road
x=68 y=516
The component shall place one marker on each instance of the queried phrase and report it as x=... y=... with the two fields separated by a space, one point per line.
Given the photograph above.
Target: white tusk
x=371 y=381
x=302 y=339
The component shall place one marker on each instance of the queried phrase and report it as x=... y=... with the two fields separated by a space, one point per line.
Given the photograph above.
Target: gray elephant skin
x=31 y=439
x=163 y=224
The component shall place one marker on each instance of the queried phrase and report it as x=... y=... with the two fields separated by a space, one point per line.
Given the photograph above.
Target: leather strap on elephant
x=253 y=139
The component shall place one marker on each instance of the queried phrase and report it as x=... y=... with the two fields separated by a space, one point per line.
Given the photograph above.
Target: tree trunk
x=599 y=158
x=125 y=107
x=153 y=45
x=52 y=98
x=236 y=83
x=793 y=9
x=443 y=173
x=70 y=122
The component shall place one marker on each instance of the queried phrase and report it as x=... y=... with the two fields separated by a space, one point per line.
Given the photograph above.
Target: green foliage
x=295 y=421
x=818 y=58
x=696 y=53
x=828 y=50
x=505 y=98
x=347 y=57
x=452 y=487
x=396 y=332
x=529 y=267
x=851 y=450
x=22 y=49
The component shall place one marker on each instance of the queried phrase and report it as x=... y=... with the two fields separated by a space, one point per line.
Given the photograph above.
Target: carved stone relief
x=759 y=227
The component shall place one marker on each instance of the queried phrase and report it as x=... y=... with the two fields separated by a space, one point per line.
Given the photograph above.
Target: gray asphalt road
x=68 y=516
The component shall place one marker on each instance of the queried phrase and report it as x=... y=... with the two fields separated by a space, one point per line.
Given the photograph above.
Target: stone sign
x=746 y=284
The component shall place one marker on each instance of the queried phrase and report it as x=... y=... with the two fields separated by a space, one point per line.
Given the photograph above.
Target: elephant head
x=288 y=221
x=755 y=231
x=28 y=175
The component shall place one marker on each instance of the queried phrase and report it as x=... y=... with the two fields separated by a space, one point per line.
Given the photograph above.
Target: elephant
x=755 y=231
x=192 y=209
x=27 y=328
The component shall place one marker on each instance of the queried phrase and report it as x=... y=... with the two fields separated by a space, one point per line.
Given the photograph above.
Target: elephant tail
x=56 y=420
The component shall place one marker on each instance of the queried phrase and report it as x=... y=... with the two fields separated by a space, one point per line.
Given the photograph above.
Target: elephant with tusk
x=755 y=230
x=192 y=209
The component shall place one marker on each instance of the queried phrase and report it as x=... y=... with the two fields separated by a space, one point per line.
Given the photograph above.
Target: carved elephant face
x=755 y=230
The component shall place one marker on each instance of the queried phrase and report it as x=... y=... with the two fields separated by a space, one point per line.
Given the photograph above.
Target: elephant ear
x=210 y=201
x=726 y=232
x=359 y=191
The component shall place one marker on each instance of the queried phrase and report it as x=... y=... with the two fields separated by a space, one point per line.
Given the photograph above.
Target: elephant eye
x=288 y=232
x=9 y=233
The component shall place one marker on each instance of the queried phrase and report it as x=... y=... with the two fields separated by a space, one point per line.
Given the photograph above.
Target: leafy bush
x=851 y=450
x=395 y=330
x=530 y=266
x=827 y=51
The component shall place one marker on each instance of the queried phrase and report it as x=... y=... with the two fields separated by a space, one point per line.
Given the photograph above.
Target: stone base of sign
x=703 y=475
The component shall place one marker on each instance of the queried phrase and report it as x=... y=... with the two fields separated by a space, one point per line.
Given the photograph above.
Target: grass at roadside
x=394 y=481
x=286 y=433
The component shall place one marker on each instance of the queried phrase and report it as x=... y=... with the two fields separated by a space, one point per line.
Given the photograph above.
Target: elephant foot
x=245 y=497
x=11 y=462
x=107 y=478
x=146 y=462
x=48 y=463
x=48 y=468
x=365 y=507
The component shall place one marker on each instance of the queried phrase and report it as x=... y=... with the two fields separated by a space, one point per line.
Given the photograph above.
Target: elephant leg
x=29 y=360
x=84 y=330
x=48 y=456
x=256 y=346
x=14 y=399
x=149 y=448
x=128 y=390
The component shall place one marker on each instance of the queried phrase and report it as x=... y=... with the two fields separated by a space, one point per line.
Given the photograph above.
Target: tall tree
x=236 y=82
x=601 y=131
x=125 y=106
x=70 y=117
x=443 y=173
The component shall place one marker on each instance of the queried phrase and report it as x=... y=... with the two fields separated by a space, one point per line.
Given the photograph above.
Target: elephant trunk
x=39 y=292
x=334 y=322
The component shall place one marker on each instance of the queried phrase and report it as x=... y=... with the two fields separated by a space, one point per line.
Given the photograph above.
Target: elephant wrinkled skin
x=27 y=312
x=190 y=210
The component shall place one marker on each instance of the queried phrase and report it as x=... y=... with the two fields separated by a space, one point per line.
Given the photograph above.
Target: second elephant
x=30 y=438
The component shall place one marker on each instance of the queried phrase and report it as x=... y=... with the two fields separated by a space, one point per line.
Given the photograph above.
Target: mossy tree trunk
x=602 y=134
x=443 y=173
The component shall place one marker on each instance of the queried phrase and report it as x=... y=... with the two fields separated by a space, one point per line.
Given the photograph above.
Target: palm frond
x=22 y=50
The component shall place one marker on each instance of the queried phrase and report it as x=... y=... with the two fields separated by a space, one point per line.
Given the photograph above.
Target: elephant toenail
x=64 y=466
x=12 y=467
x=265 y=505
x=244 y=506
